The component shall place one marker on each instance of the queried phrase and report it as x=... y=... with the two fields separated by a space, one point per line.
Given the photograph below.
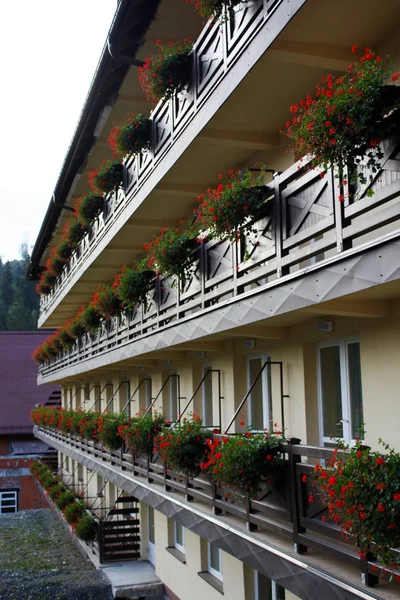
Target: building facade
x=298 y=324
x=18 y=395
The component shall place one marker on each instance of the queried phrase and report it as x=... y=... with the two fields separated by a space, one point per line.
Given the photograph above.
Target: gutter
x=108 y=78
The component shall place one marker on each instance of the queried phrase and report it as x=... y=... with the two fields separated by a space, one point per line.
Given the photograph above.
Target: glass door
x=259 y=411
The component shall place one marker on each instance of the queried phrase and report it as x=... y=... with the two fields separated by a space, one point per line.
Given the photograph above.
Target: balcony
x=280 y=514
x=307 y=248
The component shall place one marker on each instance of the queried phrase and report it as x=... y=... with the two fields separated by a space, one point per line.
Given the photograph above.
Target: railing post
x=166 y=477
x=189 y=497
x=278 y=227
x=295 y=496
x=366 y=577
x=215 y=496
x=249 y=525
x=149 y=479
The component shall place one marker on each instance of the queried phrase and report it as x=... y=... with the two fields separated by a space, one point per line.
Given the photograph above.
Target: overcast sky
x=49 y=50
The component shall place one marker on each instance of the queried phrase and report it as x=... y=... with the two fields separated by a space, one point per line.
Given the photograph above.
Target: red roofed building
x=19 y=393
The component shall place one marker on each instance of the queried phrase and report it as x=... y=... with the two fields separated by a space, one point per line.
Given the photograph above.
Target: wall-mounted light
x=325 y=327
x=249 y=343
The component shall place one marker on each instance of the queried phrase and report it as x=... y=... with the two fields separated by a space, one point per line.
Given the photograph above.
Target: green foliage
x=361 y=490
x=229 y=210
x=87 y=208
x=108 y=428
x=106 y=303
x=86 y=528
x=108 y=177
x=139 y=432
x=173 y=252
x=131 y=136
x=91 y=319
x=56 y=490
x=19 y=304
x=168 y=71
x=133 y=284
x=64 y=499
x=215 y=9
x=243 y=463
x=74 y=511
x=184 y=446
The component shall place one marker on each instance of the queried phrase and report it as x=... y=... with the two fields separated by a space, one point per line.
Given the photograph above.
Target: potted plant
x=346 y=120
x=108 y=178
x=88 y=426
x=55 y=265
x=77 y=328
x=87 y=208
x=245 y=462
x=168 y=71
x=133 y=284
x=91 y=319
x=64 y=499
x=184 y=447
x=361 y=490
x=74 y=232
x=74 y=511
x=216 y=8
x=67 y=340
x=173 y=252
x=65 y=250
x=229 y=210
x=139 y=432
x=86 y=528
x=108 y=430
x=106 y=303
x=131 y=136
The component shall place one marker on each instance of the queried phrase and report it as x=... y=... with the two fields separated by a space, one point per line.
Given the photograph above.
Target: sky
x=49 y=50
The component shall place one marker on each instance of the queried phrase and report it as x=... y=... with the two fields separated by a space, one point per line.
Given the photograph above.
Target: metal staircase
x=119 y=531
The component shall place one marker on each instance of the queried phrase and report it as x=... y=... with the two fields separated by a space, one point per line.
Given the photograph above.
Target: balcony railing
x=304 y=225
x=282 y=508
x=214 y=54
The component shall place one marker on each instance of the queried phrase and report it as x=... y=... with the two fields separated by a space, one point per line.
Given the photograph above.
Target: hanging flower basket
x=184 y=447
x=55 y=265
x=87 y=208
x=244 y=463
x=361 y=490
x=168 y=71
x=77 y=328
x=106 y=303
x=345 y=122
x=140 y=431
x=229 y=210
x=66 y=338
x=108 y=428
x=216 y=9
x=86 y=529
x=74 y=232
x=131 y=137
x=133 y=284
x=108 y=178
x=91 y=319
x=65 y=250
x=173 y=252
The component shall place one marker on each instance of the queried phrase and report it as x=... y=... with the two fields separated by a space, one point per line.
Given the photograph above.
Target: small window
x=215 y=561
x=8 y=501
x=179 y=537
x=207 y=396
x=266 y=589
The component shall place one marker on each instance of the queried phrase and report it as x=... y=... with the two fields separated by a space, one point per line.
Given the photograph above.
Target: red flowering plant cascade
x=229 y=210
x=133 y=284
x=173 y=252
x=131 y=136
x=87 y=208
x=216 y=8
x=168 y=71
x=55 y=265
x=74 y=232
x=108 y=429
x=245 y=462
x=106 y=303
x=108 y=177
x=361 y=490
x=345 y=122
x=183 y=447
x=91 y=319
x=139 y=432
x=46 y=283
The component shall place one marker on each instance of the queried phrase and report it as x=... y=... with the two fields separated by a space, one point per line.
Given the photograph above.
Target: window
x=8 y=501
x=207 y=396
x=215 y=561
x=259 y=402
x=179 y=537
x=265 y=589
x=340 y=391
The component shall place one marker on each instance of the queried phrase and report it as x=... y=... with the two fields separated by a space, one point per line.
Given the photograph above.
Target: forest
x=19 y=302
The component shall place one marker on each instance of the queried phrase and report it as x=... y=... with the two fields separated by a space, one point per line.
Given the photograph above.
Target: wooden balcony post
x=249 y=525
x=295 y=496
x=215 y=496
x=189 y=485
x=166 y=478
x=366 y=577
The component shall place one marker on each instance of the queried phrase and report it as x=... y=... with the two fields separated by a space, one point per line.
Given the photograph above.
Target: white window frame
x=177 y=545
x=205 y=368
x=343 y=344
x=8 y=496
x=266 y=400
x=210 y=568
x=274 y=588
